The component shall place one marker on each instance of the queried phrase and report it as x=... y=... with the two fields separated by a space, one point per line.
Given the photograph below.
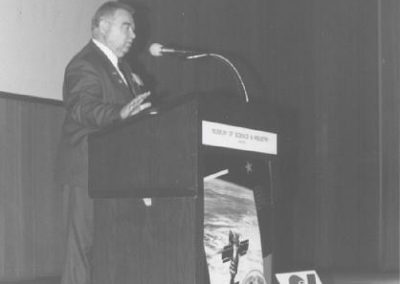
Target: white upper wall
x=37 y=39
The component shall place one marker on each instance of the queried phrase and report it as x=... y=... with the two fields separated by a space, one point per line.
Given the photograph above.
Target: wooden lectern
x=159 y=156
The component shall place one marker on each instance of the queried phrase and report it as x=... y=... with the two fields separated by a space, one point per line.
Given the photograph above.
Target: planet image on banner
x=232 y=240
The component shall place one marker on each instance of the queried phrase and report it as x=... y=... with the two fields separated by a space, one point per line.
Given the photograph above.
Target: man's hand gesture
x=135 y=106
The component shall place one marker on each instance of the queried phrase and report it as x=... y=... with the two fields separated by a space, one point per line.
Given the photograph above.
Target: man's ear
x=104 y=26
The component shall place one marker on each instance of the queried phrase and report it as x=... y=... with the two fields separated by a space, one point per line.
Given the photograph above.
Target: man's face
x=119 y=32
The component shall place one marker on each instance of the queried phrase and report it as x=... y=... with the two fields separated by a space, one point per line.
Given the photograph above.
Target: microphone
x=157 y=49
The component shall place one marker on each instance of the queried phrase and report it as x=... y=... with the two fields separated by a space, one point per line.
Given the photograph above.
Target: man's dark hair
x=108 y=9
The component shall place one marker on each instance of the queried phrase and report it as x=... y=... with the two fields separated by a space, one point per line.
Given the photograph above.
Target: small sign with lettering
x=299 y=277
x=240 y=138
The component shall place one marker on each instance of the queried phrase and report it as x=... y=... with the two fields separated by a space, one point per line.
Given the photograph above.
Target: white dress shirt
x=111 y=56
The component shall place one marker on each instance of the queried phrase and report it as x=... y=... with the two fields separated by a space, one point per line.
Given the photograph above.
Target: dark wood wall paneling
x=30 y=206
x=389 y=103
x=345 y=168
x=353 y=223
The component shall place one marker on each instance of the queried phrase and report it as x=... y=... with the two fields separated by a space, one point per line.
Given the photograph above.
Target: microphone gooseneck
x=227 y=62
x=157 y=49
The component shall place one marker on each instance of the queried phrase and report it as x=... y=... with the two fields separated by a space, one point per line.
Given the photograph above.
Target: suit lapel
x=112 y=71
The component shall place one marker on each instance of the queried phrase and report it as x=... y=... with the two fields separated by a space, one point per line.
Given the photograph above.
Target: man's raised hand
x=135 y=106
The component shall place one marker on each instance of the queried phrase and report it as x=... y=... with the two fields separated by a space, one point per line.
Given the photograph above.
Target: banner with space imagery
x=232 y=239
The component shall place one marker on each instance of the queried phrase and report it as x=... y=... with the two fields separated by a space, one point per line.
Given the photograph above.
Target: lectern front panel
x=238 y=196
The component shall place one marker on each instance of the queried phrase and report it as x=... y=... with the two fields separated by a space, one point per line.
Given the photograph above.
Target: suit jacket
x=93 y=95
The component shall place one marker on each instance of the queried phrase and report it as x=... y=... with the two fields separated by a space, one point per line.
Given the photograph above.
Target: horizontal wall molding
x=32 y=99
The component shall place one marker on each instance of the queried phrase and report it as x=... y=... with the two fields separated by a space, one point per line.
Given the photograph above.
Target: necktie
x=126 y=74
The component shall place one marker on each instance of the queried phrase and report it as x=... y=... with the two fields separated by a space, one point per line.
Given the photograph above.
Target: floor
x=47 y=280
x=340 y=278
x=364 y=278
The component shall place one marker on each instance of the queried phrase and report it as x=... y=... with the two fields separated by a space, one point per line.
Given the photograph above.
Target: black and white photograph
x=199 y=141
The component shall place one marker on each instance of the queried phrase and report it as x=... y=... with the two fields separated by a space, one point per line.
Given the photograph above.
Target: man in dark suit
x=99 y=90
